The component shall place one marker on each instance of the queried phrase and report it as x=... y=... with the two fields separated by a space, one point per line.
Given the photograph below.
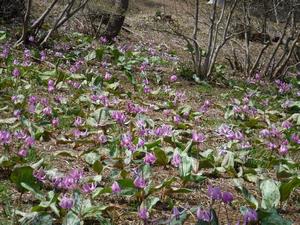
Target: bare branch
x=24 y=36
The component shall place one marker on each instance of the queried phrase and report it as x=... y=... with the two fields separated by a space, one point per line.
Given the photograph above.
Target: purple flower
x=286 y=124
x=44 y=102
x=87 y=188
x=119 y=117
x=271 y=145
x=31 y=38
x=205 y=106
x=214 y=193
x=264 y=133
x=16 y=73
x=22 y=152
x=107 y=76
x=198 y=137
x=14 y=99
x=40 y=174
x=176 y=119
x=20 y=134
x=167 y=112
x=17 y=113
x=43 y=55
x=5 y=137
x=77 y=66
x=146 y=81
x=29 y=141
x=295 y=138
x=140 y=182
x=283 y=150
x=77 y=174
x=135 y=109
x=175 y=213
x=76 y=85
x=176 y=160
x=126 y=141
x=47 y=111
x=32 y=100
x=51 y=85
x=283 y=87
x=67 y=182
x=147 y=89
x=143 y=214
x=78 y=121
x=245 y=145
x=140 y=143
x=5 y=52
x=224 y=129
x=103 y=40
x=227 y=197
x=55 y=122
x=204 y=215
x=250 y=216
x=173 y=78
x=150 y=158
x=144 y=66
x=115 y=187
x=180 y=97
x=27 y=55
x=78 y=133
x=164 y=131
x=66 y=202
x=102 y=138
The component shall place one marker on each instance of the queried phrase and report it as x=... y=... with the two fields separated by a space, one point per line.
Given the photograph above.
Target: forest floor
x=84 y=90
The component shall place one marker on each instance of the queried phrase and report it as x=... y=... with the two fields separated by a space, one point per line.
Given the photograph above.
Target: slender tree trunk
x=116 y=20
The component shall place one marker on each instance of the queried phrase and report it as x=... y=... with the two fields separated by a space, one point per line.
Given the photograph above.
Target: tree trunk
x=11 y=9
x=116 y=20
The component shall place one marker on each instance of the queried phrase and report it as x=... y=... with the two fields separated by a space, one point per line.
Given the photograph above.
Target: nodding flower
x=5 y=137
x=143 y=214
x=115 y=187
x=66 y=202
x=140 y=182
x=149 y=159
x=198 y=137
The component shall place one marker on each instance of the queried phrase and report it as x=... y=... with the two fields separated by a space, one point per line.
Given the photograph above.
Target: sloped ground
x=96 y=114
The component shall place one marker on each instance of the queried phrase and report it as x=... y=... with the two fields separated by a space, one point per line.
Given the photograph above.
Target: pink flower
x=47 y=111
x=147 y=89
x=107 y=76
x=103 y=40
x=173 y=78
x=176 y=119
x=16 y=73
x=51 y=85
x=115 y=187
x=17 y=113
x=119 y=117
x=295 y=138
x=149 y=159
x=87 y=188
x=198 y=137
x=66 y=202
x=164 y=131
x=78 y=121
x=286 y=124
x=283 y=150
x=23 y=152
x=143 y=214
x=102 y=138
x=55 y=122
x=176 y=160
x=29 y=141
x=140 y=182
